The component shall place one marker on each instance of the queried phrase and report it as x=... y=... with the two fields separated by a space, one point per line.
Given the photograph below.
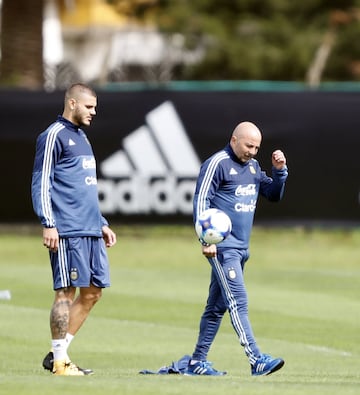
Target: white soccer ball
x=213 y=226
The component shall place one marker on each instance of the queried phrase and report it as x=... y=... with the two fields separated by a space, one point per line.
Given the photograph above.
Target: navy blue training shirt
x=226 y=183
x=64 y=183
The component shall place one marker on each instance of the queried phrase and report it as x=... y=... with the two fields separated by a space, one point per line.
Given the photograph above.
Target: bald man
x=65 y=198
x=231 y=180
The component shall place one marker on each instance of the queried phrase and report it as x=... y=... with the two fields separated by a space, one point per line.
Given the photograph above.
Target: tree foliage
x=237 y=39
x=259 y=39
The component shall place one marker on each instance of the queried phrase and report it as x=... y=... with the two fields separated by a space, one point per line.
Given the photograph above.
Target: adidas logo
x=154 y=172
x=233 y=171
x=71 y=142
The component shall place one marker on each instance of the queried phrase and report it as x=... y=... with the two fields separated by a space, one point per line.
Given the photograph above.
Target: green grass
x=304 y=304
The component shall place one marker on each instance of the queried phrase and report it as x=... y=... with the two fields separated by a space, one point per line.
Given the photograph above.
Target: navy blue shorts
x=79 y=262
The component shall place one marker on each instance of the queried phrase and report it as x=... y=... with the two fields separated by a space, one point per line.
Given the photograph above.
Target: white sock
x=68 y=339
x=59 y=347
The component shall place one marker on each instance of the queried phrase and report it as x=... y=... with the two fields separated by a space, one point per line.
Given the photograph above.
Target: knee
x=64 y=295
x=240 y=304
x=216 y=312
x=91 y=298
x=220 y=310
x=219 y=314
x=97 y=296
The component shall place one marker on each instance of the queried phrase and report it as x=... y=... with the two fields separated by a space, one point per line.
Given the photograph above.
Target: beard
x=80 y=119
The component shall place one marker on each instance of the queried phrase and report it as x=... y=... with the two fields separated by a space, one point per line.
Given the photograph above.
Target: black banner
x=148 y=143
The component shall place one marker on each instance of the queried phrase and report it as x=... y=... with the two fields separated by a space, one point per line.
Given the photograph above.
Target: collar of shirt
x=68 y=124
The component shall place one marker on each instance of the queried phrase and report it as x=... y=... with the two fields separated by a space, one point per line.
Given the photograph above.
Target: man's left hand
x=109 y=236
x=278 y=159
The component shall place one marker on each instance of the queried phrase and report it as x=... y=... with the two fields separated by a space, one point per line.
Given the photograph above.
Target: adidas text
x=154 y=172
x=143 y=195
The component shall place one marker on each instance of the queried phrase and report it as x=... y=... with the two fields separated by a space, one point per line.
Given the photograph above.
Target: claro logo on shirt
x=89 y=164
x=90 y=180
x=246 y=208
x=246 y=190
x=156 y=170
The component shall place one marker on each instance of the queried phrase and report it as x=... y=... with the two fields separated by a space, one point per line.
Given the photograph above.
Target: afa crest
x=232 y=273
x=74 y=275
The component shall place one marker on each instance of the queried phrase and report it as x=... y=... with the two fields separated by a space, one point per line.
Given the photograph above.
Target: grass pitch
x=304 y=304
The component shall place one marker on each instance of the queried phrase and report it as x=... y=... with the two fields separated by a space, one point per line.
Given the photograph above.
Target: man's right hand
x=209 y=251
x=51 y=239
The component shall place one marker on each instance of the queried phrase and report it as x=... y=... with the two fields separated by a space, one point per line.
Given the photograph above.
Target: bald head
x=245 y=140
x=246 y=129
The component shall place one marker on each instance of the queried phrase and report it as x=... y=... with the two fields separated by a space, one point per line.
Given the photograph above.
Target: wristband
x=204 y=243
